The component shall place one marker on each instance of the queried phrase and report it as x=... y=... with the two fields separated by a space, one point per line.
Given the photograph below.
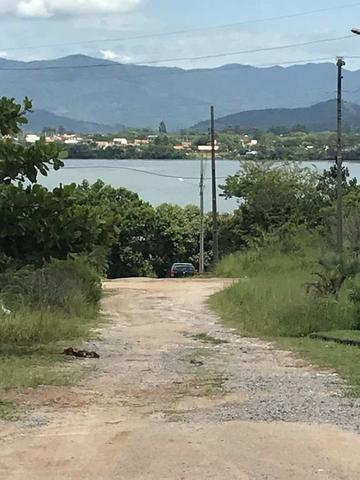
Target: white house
x=120 y=141
x=31 y=138
x=207 y=148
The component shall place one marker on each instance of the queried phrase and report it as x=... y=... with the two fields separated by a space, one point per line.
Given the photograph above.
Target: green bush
x=58 y=301
x=56 y=286
x=355 y=299
x=271 y=298
x=27 y=327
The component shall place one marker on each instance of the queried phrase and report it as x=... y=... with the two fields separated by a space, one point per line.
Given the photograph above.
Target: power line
x=137 y=170
x=254 y=50
x=190 y=30
x=194 y=58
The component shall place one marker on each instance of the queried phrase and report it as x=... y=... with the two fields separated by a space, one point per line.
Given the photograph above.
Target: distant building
x=138 y=142
x=31 y=138
x=103 y=145
x=207 y=148
x=120 y=141
x=247 y=142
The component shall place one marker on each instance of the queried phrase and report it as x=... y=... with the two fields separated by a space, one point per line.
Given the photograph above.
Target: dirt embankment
x=163 y=404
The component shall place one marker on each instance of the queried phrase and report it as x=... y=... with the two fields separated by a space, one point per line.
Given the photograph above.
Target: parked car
x=179 y=270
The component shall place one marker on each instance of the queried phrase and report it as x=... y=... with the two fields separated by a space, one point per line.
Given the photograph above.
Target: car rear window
x=184 y=268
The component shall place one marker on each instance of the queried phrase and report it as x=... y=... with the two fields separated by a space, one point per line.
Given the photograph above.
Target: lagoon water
x=159 y=181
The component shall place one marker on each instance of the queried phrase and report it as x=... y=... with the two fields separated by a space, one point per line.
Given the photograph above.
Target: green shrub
x=56 y=302
x=271 y=298
x=355 y=299
x=59 y=285
x=26 y=327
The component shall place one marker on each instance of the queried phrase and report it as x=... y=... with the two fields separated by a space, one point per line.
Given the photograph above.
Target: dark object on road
x=197 y=363
x=80 y=353
x=179 y=270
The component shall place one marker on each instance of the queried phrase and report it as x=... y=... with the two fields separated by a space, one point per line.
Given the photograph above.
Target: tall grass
x=56 y=302
x=51 y=307
x=271 y=299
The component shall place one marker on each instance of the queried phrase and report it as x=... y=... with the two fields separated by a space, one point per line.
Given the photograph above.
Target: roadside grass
x=343 y=334
x=277 y=305
x=345 y=360
x=51 y=309
x=270 y=301
x=27 y=327
x=32 y=367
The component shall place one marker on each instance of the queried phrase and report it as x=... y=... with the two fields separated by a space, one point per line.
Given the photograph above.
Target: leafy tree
x=299 y=128
x=162 y=128
x=274 y=196
x=161 y=148
x=176 y=236
x=39 y=224
x=20 y=162
x=232 y=236
x=328 y=181
x=48 y=131
x=133 y=221
x=280 y=130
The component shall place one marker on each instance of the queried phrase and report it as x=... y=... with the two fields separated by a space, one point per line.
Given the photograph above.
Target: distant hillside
x=40 y=119
x=319 y=117
x=110 y=93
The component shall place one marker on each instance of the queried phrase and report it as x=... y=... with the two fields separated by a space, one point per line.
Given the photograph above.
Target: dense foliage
x=277 y=144
x=162 y=148
x=280 y=197
x=18 y=161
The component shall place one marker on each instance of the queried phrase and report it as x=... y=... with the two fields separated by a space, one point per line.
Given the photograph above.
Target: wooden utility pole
x=339 y=162
x=202 y=242
x=214 y=190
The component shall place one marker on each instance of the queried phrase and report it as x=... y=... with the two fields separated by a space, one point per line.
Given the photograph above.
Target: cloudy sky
x=141 y=31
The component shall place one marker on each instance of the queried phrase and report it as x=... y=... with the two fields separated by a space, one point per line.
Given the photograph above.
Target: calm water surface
x=158 y=181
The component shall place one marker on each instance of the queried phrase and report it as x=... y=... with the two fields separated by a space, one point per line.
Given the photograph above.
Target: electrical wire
x=137 y=170
x=254 y=50
x=189 y=30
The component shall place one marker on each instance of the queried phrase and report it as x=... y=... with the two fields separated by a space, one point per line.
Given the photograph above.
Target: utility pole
x=202 y=249
x=214 y=190
x=339 y=162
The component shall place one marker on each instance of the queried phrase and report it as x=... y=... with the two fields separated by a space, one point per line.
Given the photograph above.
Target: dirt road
x=163 y=404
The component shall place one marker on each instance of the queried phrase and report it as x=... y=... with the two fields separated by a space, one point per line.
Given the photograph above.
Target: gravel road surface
x=176 y=396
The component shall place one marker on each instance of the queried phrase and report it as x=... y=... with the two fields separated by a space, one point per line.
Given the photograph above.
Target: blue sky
x=26 y=24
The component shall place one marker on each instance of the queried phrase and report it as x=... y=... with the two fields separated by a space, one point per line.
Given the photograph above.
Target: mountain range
x=318 y=117
x=40 y=119
x=105 y=92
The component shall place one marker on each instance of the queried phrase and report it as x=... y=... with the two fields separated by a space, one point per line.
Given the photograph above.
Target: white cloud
x=50 y=8
x=111 y=55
